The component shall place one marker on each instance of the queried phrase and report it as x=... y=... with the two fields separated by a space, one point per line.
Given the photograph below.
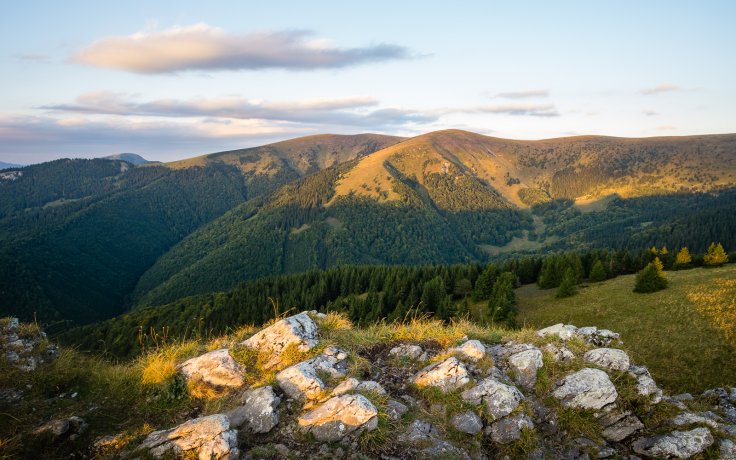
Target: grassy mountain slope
x=77 y=234
x=452 y=196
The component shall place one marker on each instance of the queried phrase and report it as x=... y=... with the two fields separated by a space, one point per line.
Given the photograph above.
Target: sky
x=175 y=79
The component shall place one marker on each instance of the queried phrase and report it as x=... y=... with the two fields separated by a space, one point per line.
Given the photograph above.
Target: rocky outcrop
x=207 y=437
x=499 y=399
x=524 y=366
x=446 y=375
x=610 y=358
x=677 y=444
x=216 y=368
x=586 y=389
x=297 y=331
x=340 y=416
x=258 y=412
x=302 y=381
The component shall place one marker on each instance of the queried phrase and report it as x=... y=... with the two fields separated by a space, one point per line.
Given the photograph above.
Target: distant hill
x=454 y=196
x=4 y=165
x=132 y=158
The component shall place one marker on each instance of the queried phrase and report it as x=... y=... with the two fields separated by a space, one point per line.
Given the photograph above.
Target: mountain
x=132 y=158
x=454 y=196
x=76 y=235
x=4 y=165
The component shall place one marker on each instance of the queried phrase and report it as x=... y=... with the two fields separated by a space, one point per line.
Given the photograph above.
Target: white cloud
x=203 y=47
x=532 y=93
x=532 y=110
x=661 y=88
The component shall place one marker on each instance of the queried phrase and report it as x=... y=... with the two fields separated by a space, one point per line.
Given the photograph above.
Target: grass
x=684 y=334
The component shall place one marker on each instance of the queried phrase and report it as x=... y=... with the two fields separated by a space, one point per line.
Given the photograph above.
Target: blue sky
x=177 y=79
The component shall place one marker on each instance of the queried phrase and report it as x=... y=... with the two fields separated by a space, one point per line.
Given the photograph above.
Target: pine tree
x=650 y=279
x=484 y=283
x=716 y=256
x=683 y=257
x=503 y=298
x=658 y=265
x=567 y=286
x=598 y=272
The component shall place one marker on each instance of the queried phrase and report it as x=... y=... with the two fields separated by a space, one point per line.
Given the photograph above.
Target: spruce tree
x=650 y=280
x=598 y=272
x=484 y=283
x=503 y=298
x=716 y=256
x=567 y=286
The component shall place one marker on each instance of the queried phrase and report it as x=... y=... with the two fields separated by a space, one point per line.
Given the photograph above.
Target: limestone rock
x=298 y=330
x=340 y=416
x=301 y=380
x=621 y=427
x=610 y=358
x=472 y=350
x=599 y=337
x=352 y=384
x=525 y=366
x=407 y=351
x=467 y=422
x=509 y=428
x=727 y=450
x=500 y=399
x=688 y=418
x=70 y=428
x=678 y=444
x=561 y=353
x=563 y=331
x=447 y=375
x=646 y=386
x=418 y=431
x=258 y=411
x=216 y=368
x=395 y=409
x=586 y=389
x=208 y=437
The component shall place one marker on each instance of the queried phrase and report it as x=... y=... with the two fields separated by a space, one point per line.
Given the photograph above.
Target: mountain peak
x=132 y=158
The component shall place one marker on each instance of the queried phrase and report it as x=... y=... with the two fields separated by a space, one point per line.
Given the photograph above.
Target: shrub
x=650 y=279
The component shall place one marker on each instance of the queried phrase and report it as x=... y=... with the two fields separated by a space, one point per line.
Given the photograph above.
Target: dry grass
x=678 y=332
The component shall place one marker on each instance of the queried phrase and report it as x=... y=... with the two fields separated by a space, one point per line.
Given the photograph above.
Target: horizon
x=177 y=80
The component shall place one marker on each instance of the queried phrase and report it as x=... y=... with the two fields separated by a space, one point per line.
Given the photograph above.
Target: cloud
x=355 y=111
x=34 y=57
x=532 y=110
x=661 y=88
x=532 y=93
x=649 y=113
x=203 y=47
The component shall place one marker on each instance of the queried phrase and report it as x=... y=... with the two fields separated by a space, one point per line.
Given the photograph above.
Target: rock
x=599 y=337
x=679 y=444
x=216 y=368
x=70 y=428
x=563 y=331
x=352 y=384
x=467 y=422
x=500 y=399
x=610 y=358
x=443 y=449
x=298 y=331
x=407 y=351
x=208 y=437
x=395 y=409
x=509 y=428
x=525 y=366
x=258 y=411
x=560 y=353
x=340 y=416
x=646 y=386
x=586 y=389
x=301 y=380
x=472 y=350
x=688 y=418
x=622 y=427
x=418 y=431
x=447 y=375
x=727 y=450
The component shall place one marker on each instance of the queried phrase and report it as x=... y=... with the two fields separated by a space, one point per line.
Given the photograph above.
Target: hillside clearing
x=679 y=333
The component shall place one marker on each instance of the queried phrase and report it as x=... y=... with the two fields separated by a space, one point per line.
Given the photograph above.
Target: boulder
x=688 y=418
x=472 y=350
x=727 y=450
x=610 y=358
x=467 y=422
x=500 y=399
x=561 y=353
x=446 y=375
x=563 y=331
x=407 y=351
x=68 y=428
x=298 y=331
x=301 y=381
x=678 y=444
x=216 y=368
x=509 y=428
x=525 y=366
x=598 y=337
x=340 y=416
x=207 y=437
x=258 y=411
x=586 y=389
x=395 y=409
x=618 y=426
x=646 y=386
x=352 y=384
x=419 y=431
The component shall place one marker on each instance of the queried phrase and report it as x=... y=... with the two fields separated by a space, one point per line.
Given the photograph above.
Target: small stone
x=610 y=358
x=500 y=399
x=563 y=331
x=208 y=437
x=301 y=380
x=258 y=411
x=586 y=389
x=395 y=409
x=622 y=429
x=679 y=444
x=467 y=422
x=447 y=375
x=509 y=428
x=727 y=450
x=407 y=351
x=688 y=418
x=340 y=416
x=216 y=368
x=560 y=353
x=646 y=386
x=472 y=350
x=353 y=384
x=525 y=366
